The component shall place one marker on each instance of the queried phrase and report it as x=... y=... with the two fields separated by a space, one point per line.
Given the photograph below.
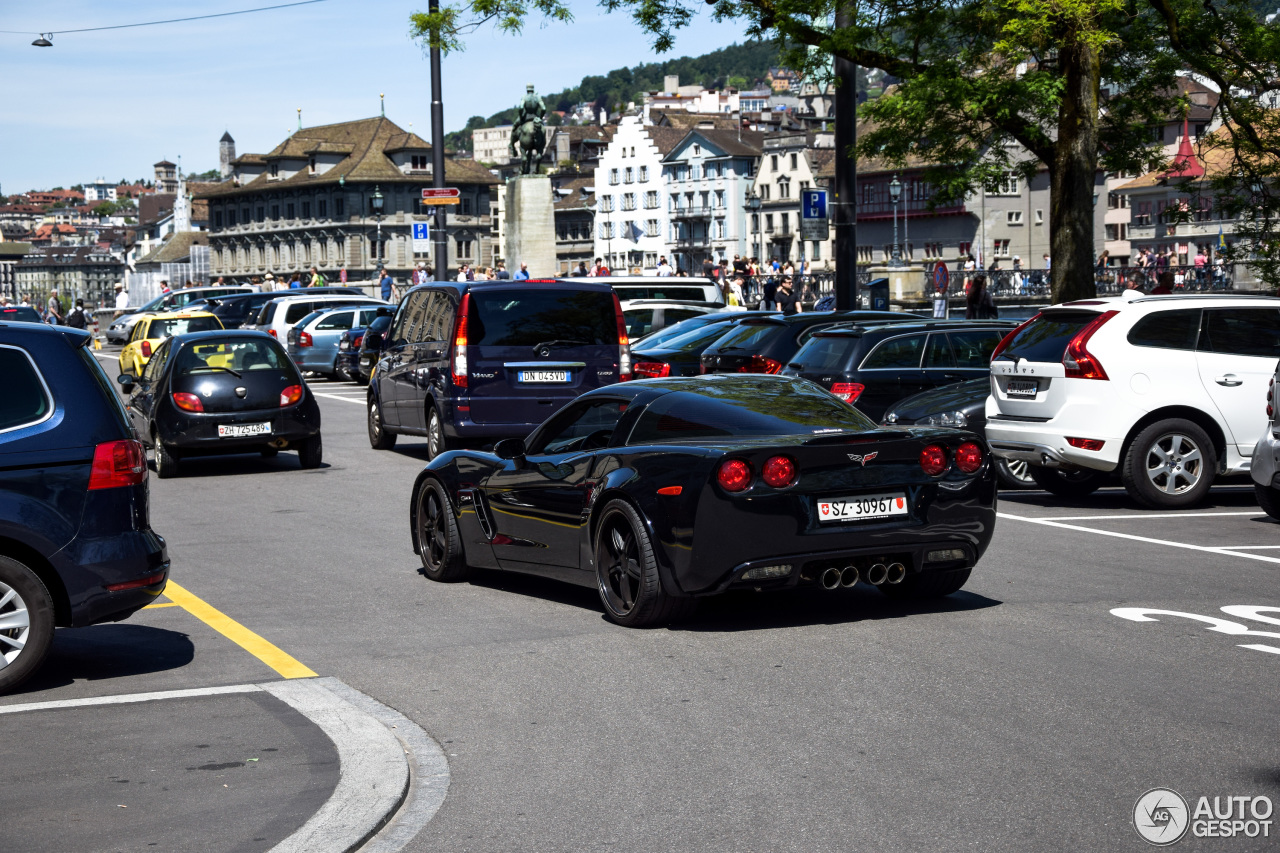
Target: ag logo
x=853 y=457
x=1161 y=816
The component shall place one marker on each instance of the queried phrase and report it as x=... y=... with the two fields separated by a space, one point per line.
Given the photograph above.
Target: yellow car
x=151 y=331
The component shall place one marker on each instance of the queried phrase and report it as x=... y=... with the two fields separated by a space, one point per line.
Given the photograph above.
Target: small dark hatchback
x=874 y=367
x=223 y=392
x=76 y=544
x=766 y=344
x=486 y=360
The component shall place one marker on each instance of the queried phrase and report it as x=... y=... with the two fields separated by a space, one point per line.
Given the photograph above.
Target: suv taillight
x=1007 y=339
x=118 y=463
x=1079 y=362
x=848 y=391
x=624 y=344
x=460 y=343
x=304 y=339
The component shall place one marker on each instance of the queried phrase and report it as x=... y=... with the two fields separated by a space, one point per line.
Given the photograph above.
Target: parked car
x=486 y=360
x=681 y=355
x=232 y=391
x=277 y=317
x=358 y=349
x=661 y=491
x=76 y=544
x=313 y=340
x=122 y=327
x=234 y=311
x=765 y=344
x=152 y=329
x=676 y=289
x=962 y=405
x=645 y=316
x=19 y=314
x=1264 y=464
x=658 y=338
x=873 y=367
x=1168 y=391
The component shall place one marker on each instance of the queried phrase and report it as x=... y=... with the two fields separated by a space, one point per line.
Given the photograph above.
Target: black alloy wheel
x=439 y=543
x=627 y=572
x=379 y=438
x=26 y=623
x=1014 y=474
x=1068 y=483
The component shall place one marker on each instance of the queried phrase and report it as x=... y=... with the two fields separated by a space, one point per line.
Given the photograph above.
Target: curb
x=375 y=783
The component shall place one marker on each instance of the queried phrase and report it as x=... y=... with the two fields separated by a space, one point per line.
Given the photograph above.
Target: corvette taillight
x=779 y=472
x=969 y=457
x=290 y=395
x=933 y=460
x=187 y=401
x=1079 y=362
x=624 y=343
x=734 y=475
x=117 y=463
x=650 y=369
x=460 y=343
x=848 y=391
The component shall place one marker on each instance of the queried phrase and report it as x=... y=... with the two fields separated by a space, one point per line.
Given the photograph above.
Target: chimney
x=671 y=84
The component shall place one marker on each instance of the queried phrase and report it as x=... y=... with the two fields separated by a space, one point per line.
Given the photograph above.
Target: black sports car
x=223 y=392
x=659 y=491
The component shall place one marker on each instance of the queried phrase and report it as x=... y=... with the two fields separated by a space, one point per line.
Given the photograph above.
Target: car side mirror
x=509 y=448
x=126 y=379
x=373 y=340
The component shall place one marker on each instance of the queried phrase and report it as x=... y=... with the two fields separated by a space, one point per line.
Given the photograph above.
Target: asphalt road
x=1019 y=714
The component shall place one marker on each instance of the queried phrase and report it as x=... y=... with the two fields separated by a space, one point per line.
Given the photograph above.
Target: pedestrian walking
x=388 y=287
x=970 y=267
x=736 y=295
x=502 y=273
x=317 y=280
x=787 y=301
x=295 y=281
x=53 y=310
x=122 y=299
x=77 y=317
x=979 y=304
x=664 y=268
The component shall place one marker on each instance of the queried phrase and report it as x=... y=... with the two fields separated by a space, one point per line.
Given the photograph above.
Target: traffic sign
x=813 y=215
x=422 y=236
x=442 y=195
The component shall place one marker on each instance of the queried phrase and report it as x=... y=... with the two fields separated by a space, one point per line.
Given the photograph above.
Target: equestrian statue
x=528 y=131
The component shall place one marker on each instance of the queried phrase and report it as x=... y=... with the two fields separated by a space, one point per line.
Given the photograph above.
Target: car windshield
x=181 y=325
x=523 y=318
x=1045 y=338
x=239 y=355
x=732 y=411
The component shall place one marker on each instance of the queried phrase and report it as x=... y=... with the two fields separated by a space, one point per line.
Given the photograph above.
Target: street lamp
x=753 y=205
x=377 y=211
x=895 y=195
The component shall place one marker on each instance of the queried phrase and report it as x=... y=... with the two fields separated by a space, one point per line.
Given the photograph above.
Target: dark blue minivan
x=76 y=544
x=489 y=360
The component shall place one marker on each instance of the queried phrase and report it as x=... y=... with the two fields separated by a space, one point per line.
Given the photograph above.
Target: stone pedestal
x=905 y=282
x=530 y=226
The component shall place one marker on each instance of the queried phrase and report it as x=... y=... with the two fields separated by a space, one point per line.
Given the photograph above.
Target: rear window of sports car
x=720 y=412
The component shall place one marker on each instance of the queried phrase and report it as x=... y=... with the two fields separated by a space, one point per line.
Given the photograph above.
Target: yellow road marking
x=162 y=604
x=263 y=650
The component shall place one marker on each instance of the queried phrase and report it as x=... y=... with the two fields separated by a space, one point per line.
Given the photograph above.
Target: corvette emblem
x=853 y=457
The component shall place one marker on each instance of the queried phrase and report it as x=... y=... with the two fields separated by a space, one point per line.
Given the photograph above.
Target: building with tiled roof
x=309 y=202
x=76 y=272
x=10 y=254
x=789 y=165
x=574 y=207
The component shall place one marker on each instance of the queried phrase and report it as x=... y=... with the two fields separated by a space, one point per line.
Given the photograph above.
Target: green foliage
x=207 y=175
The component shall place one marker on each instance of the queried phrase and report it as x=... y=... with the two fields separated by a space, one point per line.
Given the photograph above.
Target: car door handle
x=1229 y=380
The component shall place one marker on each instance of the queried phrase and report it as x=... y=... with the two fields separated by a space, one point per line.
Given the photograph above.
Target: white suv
x=1169 y=390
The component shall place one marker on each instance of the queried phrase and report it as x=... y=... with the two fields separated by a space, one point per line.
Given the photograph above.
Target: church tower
x=226 y=153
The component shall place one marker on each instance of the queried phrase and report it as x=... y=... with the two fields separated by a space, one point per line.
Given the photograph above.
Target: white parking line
x=360 y=400
x=129 y=698
x=1144 y=515
x=1250 y=547
x=1166 y=542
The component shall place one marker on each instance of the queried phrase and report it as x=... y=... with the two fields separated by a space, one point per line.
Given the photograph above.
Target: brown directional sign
x=443 y=195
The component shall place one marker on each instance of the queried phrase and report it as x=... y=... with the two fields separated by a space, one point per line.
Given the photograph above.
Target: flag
x=634 y=233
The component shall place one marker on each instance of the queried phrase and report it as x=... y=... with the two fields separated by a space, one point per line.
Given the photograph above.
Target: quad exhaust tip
x=830 y=579
x=895 y=573
x=877 y=574
x=849 y=577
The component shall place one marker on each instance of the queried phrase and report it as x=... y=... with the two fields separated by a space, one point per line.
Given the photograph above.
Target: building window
x=1007 y=185
x=338 y=205
x=784 y=223
x=868 y=193
x=275 y=170
x=764 y=192
x=794 y=161
x=231 y=217
x=629 y=201
x=1039 y=217
x=1142 y=216
x=464 y=248
x=275 y=212
x=306 y=210
x=1001 y=249
x=217 y=219
x=651 y=200
x=311 y=166
x=697 y=150
x=466 y=207
x=965 y=249
x=720 y=199
x=1013 y=217
x=768 y=223
x=644 y=174
x=606 y=204
x=816 y=253
x=651 y=228
x=720 y=232
x=262 y=213
x=755 y=223
x=289 y=211
x=322 y=208
x=606 y=230
x=784 y=189
x=613 y=177
x=773 y=162
x=628 y=175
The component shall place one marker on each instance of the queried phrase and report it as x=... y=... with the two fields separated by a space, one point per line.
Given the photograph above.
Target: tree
x=987 y=87
x=105 y=208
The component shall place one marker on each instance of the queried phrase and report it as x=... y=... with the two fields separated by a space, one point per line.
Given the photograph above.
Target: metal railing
x=1017 y=284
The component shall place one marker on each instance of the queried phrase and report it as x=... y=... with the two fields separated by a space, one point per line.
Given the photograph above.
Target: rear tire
x=1170 y=464
x=1068 y=484
x=437 y=443
x=1014 y=474
x=26 y=611
x=927 y=584
x=627 y=572
x=379 y=438
x=166 y=462
x=1268 y=499
x=439 y=543
x=311 y=452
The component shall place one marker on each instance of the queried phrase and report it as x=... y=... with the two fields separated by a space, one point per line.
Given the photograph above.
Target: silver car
x=121 y=327
x=313 y=340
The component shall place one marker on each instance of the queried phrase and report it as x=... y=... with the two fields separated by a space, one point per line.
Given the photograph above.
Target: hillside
x=738 y=65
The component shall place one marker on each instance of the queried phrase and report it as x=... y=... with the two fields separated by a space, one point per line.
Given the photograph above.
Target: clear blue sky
x=110 y=104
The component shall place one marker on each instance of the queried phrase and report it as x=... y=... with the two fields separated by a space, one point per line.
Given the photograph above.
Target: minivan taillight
x=460 y=343
x=624 y=343
x=116 y=464
x=1079 y=362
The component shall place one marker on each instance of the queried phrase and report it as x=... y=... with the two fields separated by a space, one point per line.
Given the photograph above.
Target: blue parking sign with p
x=813 y=204
x=422 y=230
